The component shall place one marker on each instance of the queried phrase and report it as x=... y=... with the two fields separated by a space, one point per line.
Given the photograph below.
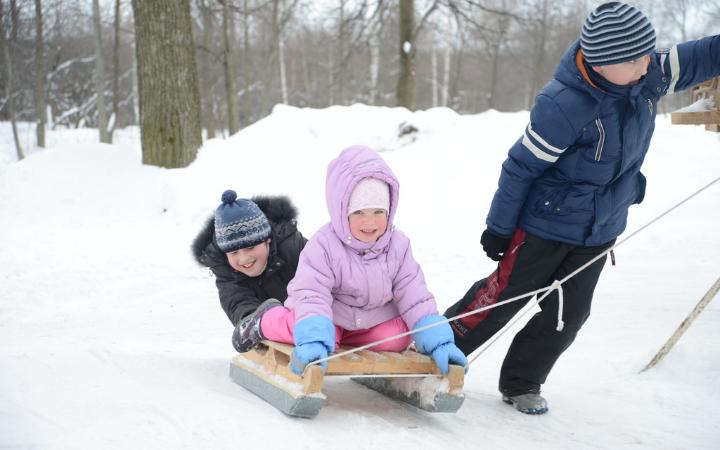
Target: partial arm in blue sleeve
x=546 y=137
x=692 y=62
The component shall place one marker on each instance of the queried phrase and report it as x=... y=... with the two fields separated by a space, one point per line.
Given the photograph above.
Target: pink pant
x=277 y=325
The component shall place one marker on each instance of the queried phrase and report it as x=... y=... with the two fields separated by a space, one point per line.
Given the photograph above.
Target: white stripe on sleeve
x=537 y=151
x=538 y=138
x=674 y=68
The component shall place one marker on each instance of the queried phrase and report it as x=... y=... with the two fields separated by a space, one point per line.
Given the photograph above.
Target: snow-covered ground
x=111 y=337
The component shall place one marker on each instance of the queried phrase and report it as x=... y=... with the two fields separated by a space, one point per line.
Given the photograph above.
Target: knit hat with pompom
x=239 y=223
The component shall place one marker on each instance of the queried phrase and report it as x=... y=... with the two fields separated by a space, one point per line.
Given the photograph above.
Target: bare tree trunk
x=246 y=64
x=40 y=103
x=135 y=87
x=542 y=26
x=446 y=62
x=281 y=59
x=305 y=66
x=331 y=78
x=207 y=101
x=100 y=77
x=283 y=79
x=229 y=66
x=10 y=102
x=339 y=71
x=271 y=56
x=167 y=78
x=405 y=94
x=116 y=73
x=446 y=76
x=374 y=67
x=495 y=57
x=433 y=63
x=14 y=20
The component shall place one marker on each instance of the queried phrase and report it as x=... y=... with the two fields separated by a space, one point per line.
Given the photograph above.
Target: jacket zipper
x=650 y=105
x=601 y=140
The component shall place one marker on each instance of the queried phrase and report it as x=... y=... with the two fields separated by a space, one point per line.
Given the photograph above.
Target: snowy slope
x=113 y=338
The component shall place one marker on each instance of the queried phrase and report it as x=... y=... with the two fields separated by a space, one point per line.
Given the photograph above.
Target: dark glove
x=494 y=245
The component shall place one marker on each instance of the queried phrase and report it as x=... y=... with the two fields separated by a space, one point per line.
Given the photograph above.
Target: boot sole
x=530 y=411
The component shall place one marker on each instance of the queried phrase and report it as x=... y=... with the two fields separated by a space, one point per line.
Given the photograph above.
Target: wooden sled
x=265 y=371
x=709 y=89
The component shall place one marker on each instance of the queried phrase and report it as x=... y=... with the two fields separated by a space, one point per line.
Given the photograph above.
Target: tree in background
x=229 y=66
x=406 y=80
x=116 y=72
x=6 y=43
x=205 y=55
x=40 y=103
x=167 y=78
x=100 y=77
x=308 y=54
x=406 y=95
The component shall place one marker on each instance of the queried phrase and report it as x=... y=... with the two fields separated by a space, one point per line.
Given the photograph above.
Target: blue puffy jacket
x=575 y=172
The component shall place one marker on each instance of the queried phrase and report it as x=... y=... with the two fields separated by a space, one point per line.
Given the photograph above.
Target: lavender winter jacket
x=358 y=285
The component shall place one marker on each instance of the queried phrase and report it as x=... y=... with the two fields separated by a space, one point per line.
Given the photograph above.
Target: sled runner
x=265 y=371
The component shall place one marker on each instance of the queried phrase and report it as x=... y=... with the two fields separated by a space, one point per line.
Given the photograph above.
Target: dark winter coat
x=239 y=294
x=576 y=171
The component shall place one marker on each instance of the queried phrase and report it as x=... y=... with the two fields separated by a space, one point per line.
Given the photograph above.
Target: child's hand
x=314 y=339
x=494 y=245
x=305 y=354
x=438 y=342
x=446 y=354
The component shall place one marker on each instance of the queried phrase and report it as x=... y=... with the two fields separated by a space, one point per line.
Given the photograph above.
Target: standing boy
x=567 y=184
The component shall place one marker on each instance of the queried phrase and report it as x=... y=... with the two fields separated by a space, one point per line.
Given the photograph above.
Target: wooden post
x=684 y=325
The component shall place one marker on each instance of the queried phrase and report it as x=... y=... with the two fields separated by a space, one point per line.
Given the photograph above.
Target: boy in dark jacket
x=567 y=184
x=252 y=247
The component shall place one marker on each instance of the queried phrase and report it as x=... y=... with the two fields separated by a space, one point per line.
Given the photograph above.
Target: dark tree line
x=74 y=63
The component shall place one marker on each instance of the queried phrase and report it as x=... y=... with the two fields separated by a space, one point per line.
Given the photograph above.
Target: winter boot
x=247 y=333
x=527 y=403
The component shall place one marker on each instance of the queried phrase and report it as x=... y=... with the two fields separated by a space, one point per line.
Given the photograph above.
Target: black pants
x=529 y=264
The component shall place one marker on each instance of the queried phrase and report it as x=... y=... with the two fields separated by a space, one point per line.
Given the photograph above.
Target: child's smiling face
x=251 y=260
x=367 y=225
x=626 y=73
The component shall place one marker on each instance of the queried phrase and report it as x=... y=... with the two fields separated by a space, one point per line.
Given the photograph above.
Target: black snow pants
x=530 y=263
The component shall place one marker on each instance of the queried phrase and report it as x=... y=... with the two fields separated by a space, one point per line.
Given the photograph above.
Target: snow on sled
x=265 y=371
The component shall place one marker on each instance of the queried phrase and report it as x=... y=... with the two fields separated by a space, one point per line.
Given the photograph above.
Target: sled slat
x=695 y=118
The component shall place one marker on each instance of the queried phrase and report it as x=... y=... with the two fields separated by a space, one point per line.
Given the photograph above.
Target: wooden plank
x=695 y=118
x=312 y=380
x=707 y=298
x=456 y=379
x=284 y=348
x=368 y=363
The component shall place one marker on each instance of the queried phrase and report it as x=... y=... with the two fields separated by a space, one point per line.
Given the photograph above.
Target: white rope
x=560 y=324
x=557 y=284
x=439 y=322
x=385 y=375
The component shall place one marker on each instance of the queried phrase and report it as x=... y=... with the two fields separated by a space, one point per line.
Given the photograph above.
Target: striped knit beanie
x=239 y=223
x=614 y=33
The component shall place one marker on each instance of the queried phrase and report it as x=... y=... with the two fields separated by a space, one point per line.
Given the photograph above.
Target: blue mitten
x=314 y=339
x=438 y=342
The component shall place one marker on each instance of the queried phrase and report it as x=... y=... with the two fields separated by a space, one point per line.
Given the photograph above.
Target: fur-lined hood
x=280 y=212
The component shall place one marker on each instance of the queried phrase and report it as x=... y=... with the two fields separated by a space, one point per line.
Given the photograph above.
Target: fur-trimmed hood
x=280 y=212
